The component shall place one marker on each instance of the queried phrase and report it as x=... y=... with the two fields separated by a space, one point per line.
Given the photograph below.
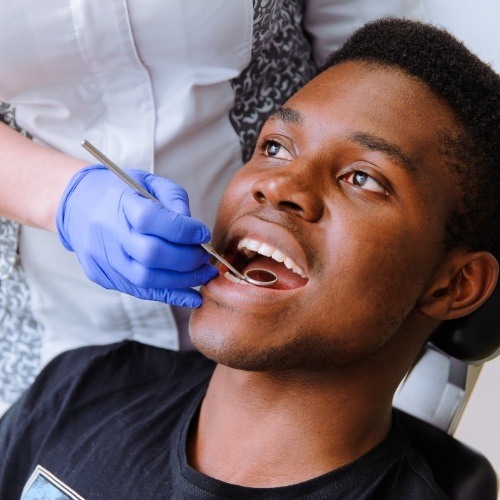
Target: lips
x=251 y=253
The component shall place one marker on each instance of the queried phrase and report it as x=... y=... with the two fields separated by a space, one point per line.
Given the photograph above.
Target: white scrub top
x=177 y=88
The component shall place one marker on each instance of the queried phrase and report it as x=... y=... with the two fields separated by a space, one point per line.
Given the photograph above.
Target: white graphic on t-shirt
x=42 y=484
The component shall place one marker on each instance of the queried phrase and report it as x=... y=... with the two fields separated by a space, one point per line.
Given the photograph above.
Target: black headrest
x=461 y=472
x=473 y=337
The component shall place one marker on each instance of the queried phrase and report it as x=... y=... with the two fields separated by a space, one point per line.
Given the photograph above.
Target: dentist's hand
x=128 y=243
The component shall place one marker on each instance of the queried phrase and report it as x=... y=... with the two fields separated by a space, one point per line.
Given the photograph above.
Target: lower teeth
x=234 y=279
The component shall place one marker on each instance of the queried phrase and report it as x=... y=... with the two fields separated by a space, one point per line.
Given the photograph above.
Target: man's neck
x=268 y=430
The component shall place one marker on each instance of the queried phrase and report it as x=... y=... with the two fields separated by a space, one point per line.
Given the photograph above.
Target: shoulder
x=127 y=359
x=147 y=360
x=98 y=391
x=414 y=478
x=119 y=369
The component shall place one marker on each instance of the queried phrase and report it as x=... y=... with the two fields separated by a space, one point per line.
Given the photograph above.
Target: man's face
x=347 y=182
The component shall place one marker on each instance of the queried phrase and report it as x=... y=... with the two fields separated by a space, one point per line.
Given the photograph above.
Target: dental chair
x=430 y=401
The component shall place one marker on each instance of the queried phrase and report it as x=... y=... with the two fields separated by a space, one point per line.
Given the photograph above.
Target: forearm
x=32 y=179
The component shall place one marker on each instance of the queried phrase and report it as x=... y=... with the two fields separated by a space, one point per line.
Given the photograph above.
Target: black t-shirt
x=111 y=422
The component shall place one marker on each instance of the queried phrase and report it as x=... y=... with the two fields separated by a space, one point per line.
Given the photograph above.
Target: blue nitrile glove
x=128 y=243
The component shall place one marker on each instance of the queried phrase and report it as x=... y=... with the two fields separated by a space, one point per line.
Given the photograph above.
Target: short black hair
x=471 y=89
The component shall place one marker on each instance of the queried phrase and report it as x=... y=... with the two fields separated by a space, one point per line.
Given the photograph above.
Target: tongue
x=287 y=279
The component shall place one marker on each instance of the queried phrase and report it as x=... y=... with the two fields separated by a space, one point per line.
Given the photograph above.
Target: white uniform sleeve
x=330 y=22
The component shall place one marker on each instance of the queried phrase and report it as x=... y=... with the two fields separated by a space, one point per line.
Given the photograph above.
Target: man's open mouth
x=249 y=254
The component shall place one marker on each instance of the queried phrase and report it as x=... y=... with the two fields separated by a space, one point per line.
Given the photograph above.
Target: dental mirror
x=261 y=277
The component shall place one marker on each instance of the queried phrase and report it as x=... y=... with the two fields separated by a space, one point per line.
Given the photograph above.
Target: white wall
x=477 y=24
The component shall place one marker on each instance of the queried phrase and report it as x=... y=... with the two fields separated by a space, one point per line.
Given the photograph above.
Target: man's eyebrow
x=375 y=143
x=286 y=114
x=369 y=141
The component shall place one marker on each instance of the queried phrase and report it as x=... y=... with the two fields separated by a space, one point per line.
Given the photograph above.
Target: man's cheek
x=231 y=205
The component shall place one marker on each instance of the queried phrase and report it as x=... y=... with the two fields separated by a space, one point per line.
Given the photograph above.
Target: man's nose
x=291 y=193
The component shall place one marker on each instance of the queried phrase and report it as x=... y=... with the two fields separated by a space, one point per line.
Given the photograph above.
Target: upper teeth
x=252 y=247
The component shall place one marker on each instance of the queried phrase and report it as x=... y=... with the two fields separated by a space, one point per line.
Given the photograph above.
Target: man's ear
x=462 y=283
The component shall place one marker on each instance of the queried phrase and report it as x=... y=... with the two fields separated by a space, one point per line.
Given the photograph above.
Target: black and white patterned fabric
x=20 y=334
x=281 y=64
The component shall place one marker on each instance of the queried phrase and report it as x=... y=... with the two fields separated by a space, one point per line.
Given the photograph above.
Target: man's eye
x=363 y=180
x=274 y=149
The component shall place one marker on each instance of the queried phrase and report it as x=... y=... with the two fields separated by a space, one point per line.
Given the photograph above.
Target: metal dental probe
x=133 y=184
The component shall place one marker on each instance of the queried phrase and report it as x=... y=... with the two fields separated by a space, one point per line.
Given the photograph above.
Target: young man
x=373 y=195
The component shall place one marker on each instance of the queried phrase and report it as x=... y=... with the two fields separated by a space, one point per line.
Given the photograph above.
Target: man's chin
x=227 y=341
x=241 y=351
x=223 y=351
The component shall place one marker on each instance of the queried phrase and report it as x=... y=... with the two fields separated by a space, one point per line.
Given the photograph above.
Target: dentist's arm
x=129 y=243
x=32 y=179
x=123 y=241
